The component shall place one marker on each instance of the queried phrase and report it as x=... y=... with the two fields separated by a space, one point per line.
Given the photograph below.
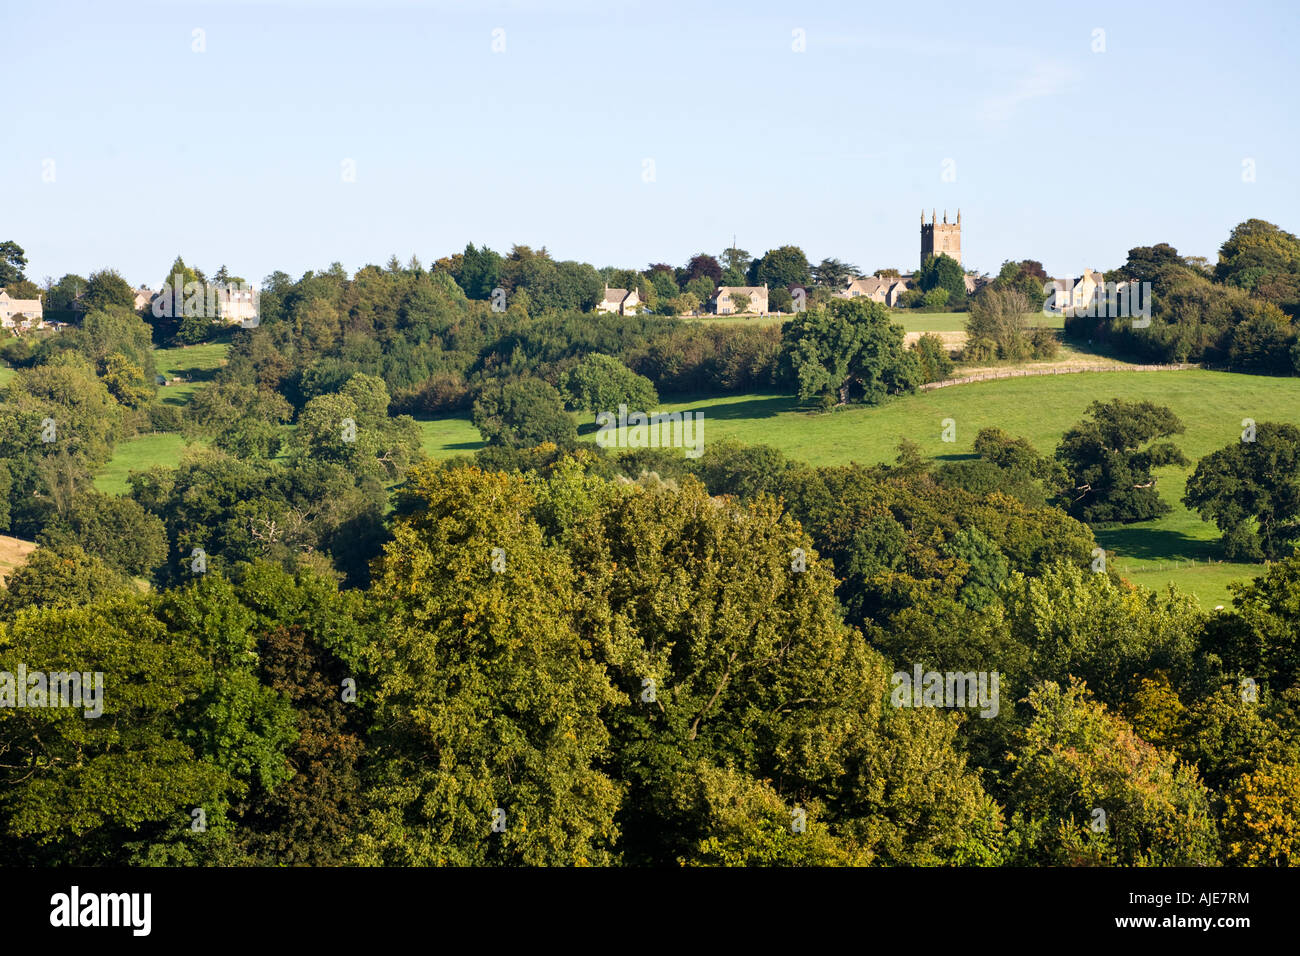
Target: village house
x=883 y=290
x=237 y=305
x=21 y=314
x=143 y=296
x=1069 y=294
x=723 y=301
x=619 y=302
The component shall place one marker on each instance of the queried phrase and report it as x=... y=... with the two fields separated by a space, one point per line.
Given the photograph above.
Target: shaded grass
x=447 y=437
x=195 y=362
x=139 y=454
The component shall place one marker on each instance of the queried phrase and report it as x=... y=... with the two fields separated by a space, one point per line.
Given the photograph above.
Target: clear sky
x=236 y=154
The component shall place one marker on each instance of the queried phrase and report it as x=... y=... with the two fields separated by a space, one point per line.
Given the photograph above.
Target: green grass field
x=1210 y=404
x=194 y=362
x=137 y=454
x=448 y=437
x=5 y=375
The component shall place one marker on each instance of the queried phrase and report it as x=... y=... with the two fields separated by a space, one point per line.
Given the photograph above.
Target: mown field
x=1178 y=548
x=138 y=454
x=195 y=363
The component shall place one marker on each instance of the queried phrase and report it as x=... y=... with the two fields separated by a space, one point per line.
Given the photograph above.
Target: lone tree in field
x=1251 y=491
x=601 y=383
x=522 y=414
x=848 y=351
x=1108 y=467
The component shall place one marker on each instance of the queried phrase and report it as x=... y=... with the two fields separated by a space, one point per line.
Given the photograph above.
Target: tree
x=783 y=267
x=1261 y=258
x=487 y=699
x=1261 y=634
x=106 y=288
x=62 y=575
x=1026 y=277
x=1160 y=265
x=1074 y=758
x=833 y=274
x=848 y=351
x=740 y=690
x=309 y=643
x=89 y=791
x=602 y=383
x=936 y=298
x=352 y=428
x=740 y=303
x=1250 y=489
x=1262 y=343
x=1109 y=470
x=116 y=530
x=13 y=260
x=936 y=364
x=62 y=295
x=1261 y=822
x=195 y=328
x=704 y=266
x=996 y=326
x=522 y=413
x=943 y=272
x=480 y=272
x=735 y=259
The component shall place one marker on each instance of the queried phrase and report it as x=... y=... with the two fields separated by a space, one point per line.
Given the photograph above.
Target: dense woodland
x=639 y=657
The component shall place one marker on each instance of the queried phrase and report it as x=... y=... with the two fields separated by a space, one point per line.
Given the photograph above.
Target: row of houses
x=726 y=300
x=736 y=299
x=231 y=305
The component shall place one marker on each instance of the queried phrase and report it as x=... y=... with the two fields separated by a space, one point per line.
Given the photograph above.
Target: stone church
x=940 y=238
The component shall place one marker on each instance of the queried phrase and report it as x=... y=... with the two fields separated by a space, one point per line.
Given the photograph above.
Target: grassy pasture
x=139 y=454
x=1178 y=548
x=194 y=362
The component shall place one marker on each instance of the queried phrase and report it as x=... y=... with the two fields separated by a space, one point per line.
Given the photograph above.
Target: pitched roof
x=19 y=305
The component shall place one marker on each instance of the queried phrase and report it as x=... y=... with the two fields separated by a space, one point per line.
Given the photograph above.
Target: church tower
x=940 y=238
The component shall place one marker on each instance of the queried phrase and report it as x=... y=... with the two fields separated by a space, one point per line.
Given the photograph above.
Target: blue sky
x=235 y=154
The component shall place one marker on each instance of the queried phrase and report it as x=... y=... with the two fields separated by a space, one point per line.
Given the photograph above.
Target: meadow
x=196 y=363
x=139 y=454
x=1179 y=548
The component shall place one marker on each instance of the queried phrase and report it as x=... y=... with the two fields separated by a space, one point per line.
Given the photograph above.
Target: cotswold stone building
x=940 y=238
x=723 y=301
x=20 y=313
x=619 y=302
x=886 y=290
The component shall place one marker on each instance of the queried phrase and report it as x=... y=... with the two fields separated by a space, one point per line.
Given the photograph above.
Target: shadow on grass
x=765 y=406
x=1156 y=544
